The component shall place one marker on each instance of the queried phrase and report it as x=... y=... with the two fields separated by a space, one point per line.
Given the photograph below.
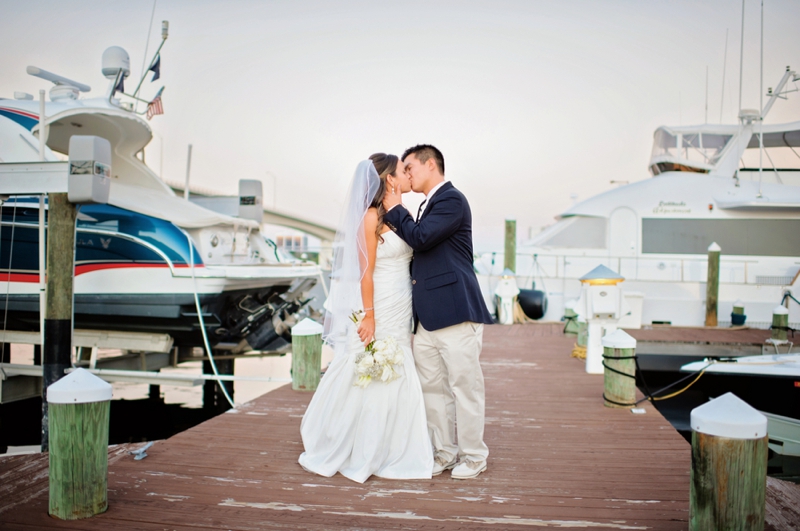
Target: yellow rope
x=676 y=393
x=579 y=352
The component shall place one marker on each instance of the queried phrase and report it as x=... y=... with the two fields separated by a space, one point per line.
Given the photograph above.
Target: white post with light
x=601 y=305
x=505 y=296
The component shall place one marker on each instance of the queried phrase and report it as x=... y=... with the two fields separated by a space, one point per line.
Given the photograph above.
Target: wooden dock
x=558 y=459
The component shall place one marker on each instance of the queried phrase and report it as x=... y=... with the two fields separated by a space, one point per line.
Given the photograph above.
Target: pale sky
x=530 y=101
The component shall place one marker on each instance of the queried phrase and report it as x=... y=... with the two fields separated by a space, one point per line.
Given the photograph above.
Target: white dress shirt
x=430 y=194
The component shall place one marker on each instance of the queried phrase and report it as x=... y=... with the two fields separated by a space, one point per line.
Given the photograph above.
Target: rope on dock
x=579 y=352
x=648 y=395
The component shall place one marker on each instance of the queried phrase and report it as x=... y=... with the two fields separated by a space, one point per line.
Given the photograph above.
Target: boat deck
x=558 y=459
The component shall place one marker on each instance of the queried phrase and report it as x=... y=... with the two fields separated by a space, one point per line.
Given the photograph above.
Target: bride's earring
x=394 y=190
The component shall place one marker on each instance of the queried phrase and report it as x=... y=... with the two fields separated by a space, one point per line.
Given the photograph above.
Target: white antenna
x=188 y=168
x=147 y=45
x=761 y=107
x=724 y=64
x=706 y=94
x=741 y=60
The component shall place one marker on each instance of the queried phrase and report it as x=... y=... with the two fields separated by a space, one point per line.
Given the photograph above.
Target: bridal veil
x=349 y=255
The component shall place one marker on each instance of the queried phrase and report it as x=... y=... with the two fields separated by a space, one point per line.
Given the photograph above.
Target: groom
x=449 y=313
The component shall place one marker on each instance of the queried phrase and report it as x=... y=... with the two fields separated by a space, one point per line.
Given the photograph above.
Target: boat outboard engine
x=255 y=321
x=533 y=302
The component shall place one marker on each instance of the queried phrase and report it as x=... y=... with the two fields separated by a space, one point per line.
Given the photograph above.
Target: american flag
x=155 y=107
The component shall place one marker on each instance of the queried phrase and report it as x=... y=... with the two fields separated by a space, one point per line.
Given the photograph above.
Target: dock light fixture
x=506 y=296
x=601 y=305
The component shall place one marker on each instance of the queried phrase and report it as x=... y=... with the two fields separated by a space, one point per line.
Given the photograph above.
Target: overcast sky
x=532 y=102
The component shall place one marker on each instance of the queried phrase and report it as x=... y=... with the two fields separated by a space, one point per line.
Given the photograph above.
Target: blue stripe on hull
x=24 y=121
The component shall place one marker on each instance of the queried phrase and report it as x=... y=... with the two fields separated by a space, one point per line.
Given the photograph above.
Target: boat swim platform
x=558 y=459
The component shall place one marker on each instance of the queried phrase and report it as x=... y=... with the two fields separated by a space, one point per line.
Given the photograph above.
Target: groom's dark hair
x=423 y=152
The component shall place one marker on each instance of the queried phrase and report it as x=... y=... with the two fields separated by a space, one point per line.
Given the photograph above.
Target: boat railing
x=533 y=266
x=136 y=240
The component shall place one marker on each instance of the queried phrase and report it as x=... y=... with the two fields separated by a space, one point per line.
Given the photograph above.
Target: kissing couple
x=394 y=411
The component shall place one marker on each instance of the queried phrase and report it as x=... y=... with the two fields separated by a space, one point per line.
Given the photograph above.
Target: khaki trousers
x=452 y=384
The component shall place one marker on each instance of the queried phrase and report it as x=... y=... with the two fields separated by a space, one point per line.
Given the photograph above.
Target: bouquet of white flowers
x=378 y=361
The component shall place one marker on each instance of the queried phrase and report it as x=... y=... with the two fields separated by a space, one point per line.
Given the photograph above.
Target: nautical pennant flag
x=121 y=85
x=156 y=68
x=155 y=107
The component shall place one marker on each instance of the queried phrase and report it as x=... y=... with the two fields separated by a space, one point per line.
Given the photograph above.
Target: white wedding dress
x=379 y=430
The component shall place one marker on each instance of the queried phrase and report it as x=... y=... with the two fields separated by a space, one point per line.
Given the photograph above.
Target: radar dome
x=114 y=60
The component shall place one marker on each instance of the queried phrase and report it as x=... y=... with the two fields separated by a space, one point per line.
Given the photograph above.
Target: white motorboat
x=141 y=258
x=706 y=187
x=769 y=383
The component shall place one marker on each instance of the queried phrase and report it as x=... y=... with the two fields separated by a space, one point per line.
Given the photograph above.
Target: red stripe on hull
x=23 y=113
x=85 y=268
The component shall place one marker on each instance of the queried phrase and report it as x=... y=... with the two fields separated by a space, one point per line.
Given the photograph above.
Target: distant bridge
x=229 y=205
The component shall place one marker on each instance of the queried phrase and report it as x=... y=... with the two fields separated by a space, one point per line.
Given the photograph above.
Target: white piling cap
x=780 y=310
x=307 y=327
x=79 y=387
x=618 y=339
x=729 y=416
x=714 y=247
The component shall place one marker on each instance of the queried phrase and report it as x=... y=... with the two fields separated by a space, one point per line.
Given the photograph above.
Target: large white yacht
x=707 y=186
x=146 y=260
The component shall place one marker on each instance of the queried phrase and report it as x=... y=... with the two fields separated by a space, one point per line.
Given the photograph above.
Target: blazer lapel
x=433 y=199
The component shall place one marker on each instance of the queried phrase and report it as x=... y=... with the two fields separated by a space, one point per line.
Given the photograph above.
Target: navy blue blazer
x=445 y=288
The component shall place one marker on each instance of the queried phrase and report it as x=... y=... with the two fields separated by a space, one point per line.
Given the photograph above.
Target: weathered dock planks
x=559 y=459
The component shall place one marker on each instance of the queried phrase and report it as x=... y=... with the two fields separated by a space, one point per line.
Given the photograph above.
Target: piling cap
x=714 y=247
x=79 y=387
x=729 y=416
x=780 y=310
x=307 y=327
x=601 y=275
x=618 y=339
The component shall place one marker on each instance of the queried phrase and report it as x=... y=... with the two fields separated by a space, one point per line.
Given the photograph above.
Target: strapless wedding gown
x=379 y=430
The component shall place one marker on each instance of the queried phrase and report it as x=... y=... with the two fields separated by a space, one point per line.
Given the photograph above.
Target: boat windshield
x=160 y=233
x=686 y=151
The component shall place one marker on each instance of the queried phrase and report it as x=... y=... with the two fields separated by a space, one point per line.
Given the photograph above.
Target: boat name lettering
x=672 y=207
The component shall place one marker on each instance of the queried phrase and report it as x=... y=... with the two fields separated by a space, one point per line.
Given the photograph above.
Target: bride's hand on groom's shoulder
x=366 y=328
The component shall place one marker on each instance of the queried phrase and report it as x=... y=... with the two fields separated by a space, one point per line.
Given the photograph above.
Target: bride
x=379 y=429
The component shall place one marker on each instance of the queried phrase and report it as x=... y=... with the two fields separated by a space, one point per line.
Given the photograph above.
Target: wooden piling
x=729 y=466
x=57 y=349
x=306 y=355
x=510 y=250
x=780 y=324
x=712 y=284
x=619 y=374
x=213 y=397
x=79 y=418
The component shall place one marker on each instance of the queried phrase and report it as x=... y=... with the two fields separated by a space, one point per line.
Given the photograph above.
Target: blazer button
x=413 y=282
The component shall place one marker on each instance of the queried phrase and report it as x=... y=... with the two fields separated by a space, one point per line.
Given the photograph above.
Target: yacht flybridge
x=142 y=257
x=736 y=185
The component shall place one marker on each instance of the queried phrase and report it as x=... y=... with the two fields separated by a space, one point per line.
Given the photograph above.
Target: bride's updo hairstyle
x=385 y=165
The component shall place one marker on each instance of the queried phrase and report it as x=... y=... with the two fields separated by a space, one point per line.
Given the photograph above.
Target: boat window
x=162 y=234
x=575 y=232
x=699 y=148
x=741 y=237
